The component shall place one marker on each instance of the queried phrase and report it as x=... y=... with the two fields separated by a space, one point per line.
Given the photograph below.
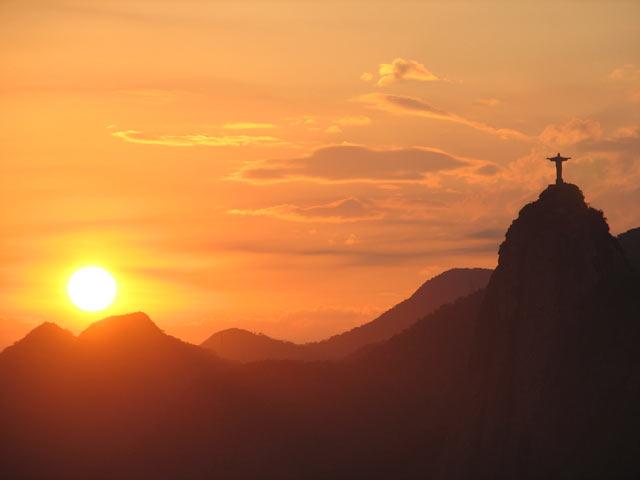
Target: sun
x=91 y=288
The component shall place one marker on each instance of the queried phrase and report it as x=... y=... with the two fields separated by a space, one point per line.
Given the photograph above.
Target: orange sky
x=294 y=167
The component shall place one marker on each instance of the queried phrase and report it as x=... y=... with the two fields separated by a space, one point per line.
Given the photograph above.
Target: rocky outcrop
x=553 y=351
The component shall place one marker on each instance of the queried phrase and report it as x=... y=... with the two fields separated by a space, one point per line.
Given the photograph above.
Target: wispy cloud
x=410 y=106
x=247 y=126
x=570 y=132
x=625 y=72
x=486 y=102
x=341 y=211
x=135 y=136
x=354 y=121
x=302 y=120
x=366 y=77
x=150 y=92
x=351 y=163
x=400 y=70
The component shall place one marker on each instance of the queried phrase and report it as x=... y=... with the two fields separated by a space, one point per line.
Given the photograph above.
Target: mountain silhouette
x=554 y=357
x=534 y=376
x=244 y=346
x=241 y=345
x=441 y=289
x=45 y=338
x=630 y=242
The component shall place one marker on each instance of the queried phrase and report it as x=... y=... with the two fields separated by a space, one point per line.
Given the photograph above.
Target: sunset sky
x=294 y=167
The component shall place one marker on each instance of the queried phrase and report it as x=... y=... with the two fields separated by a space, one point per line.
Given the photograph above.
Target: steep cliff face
x=630 y=242
x=555 y=348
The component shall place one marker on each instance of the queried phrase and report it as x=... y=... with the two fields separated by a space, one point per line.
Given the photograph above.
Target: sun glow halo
x=91 y=288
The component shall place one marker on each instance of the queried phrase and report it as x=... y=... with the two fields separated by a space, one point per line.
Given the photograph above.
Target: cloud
x=341 y=211
x=301 y=120
x=487 y=170
x=352 y=239
x=349 y=256
x=199 y=139
x=409 y=106
x=348 y=163
x=574 y=131
x=247 y=126
x=366 y=77
x=626 y=72
x=355 y=121
x=486 y=102
x=488 y=233
x=400 y=69
x=151 y=92
x=625 y=145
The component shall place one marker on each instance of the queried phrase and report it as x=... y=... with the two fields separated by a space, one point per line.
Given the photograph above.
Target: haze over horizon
x=291 y=167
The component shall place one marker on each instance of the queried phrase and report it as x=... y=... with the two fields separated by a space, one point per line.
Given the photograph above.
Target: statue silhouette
x=558 y=159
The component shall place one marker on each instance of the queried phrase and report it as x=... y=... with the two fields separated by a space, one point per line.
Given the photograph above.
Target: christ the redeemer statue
x=558 y=159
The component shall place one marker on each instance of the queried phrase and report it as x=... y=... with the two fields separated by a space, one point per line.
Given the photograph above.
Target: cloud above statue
x=351 y=163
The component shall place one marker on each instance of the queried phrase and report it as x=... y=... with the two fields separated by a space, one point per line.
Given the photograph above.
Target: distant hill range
x=535 y=376
x=244 y=346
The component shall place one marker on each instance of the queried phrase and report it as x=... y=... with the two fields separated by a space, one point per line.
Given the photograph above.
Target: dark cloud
x=351 y=163
x=487 y=170
x=488 y=233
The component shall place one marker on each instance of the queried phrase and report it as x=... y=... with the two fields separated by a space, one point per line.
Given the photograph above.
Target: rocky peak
x=555 y=335
x=132 y=326
x=555 y=252
x=46 y=336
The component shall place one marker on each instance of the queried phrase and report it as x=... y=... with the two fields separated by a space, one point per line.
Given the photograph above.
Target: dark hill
x=244 y=346
x=441 y=289
x=45 y=338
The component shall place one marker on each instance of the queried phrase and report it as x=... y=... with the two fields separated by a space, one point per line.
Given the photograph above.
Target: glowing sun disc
x=91 y=288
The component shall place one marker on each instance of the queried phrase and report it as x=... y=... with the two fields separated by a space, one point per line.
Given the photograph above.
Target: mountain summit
x=135 y=326
x=554 y=346
x=555 y=251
